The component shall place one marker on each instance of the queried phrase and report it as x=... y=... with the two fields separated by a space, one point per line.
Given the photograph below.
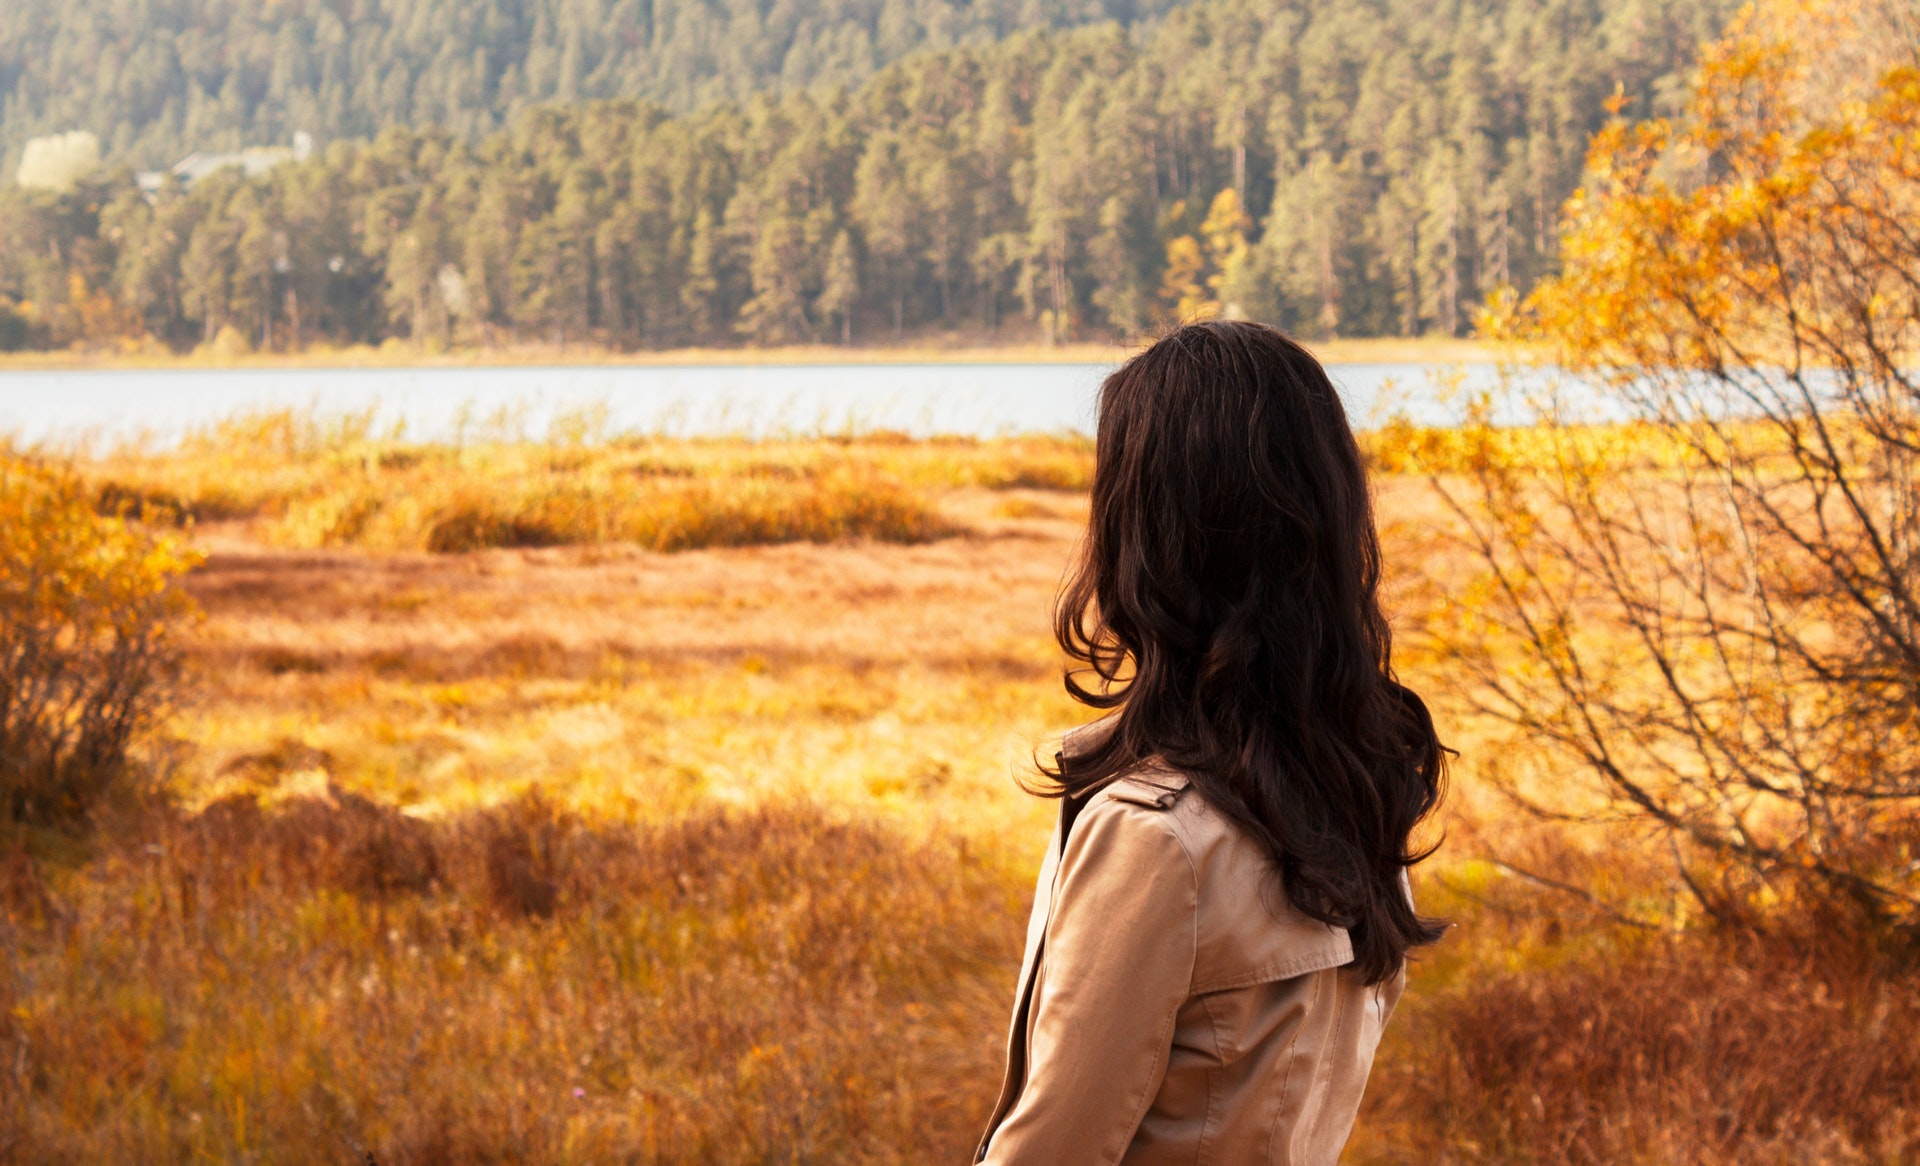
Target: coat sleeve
x=1115 y=969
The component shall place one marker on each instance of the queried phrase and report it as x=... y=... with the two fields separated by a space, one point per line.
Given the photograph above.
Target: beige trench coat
x=1172 y=1006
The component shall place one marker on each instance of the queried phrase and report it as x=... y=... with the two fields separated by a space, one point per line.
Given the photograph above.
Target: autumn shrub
x=327 y=979
x=1725 y=646
x=89 y=611
x=471 y=523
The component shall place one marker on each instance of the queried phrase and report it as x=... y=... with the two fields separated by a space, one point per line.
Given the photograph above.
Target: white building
x=253 y=161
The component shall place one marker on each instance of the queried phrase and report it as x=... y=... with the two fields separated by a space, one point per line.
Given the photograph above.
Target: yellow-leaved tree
x=1199 y=270
x=1716 y=630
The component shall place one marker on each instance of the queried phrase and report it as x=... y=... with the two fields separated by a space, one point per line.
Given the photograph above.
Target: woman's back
x=1174 y=1007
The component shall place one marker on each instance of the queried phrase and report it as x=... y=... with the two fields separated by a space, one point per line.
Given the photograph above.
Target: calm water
x=983 y=400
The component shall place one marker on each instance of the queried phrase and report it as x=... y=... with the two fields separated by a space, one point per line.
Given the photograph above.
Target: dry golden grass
x=306 y=481
x=735 y=825
x=908 y=679
x=331 y=979
x=1542 y=1030
x=728 y=839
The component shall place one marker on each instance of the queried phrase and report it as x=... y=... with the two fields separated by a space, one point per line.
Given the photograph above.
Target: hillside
x=1340 y=167
x=155 y=79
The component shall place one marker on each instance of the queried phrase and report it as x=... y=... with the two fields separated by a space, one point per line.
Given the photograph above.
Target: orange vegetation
x=728 y=841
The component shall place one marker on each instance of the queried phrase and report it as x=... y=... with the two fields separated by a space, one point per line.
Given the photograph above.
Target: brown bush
x=342 y=841
x=814 y=510
x=1064 y=468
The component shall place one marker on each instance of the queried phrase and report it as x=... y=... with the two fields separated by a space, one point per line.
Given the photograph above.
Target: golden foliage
x=89 y=610
x=664 y=516
x=1199 y=270
x=1765 y=226
x=1400 y=447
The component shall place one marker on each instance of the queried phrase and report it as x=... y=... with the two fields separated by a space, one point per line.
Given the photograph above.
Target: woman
x=1222 y=921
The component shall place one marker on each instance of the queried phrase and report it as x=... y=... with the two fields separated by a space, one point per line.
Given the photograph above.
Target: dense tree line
x=154 y=79
x=1352 y=167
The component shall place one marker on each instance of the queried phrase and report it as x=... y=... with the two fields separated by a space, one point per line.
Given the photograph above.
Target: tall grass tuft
x=683 y=515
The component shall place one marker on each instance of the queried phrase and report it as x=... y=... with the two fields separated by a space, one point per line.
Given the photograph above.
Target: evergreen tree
x=841 y=288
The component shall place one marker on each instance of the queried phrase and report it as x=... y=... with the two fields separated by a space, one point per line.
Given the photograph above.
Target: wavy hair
x=1227 y=604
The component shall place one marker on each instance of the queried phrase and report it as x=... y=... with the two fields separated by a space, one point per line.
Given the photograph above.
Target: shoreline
x=1332 y=352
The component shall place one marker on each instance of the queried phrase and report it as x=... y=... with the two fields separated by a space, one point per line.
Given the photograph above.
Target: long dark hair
x=1227 y=604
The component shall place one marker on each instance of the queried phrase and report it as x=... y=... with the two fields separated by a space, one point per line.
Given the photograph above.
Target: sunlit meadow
x=672 y=812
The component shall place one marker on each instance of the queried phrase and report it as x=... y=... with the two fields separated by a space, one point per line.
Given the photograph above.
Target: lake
x=759 y=400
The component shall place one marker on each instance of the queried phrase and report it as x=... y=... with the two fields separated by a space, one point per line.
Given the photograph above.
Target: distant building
x=253 y=161
x=58 y=162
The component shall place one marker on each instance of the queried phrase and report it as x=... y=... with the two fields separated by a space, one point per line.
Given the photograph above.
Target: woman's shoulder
x=1248 y=931
x=1149 y=785
x=1163 y=810
x=1156 y=797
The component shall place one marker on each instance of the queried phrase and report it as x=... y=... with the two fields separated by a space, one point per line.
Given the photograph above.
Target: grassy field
x=568 y=841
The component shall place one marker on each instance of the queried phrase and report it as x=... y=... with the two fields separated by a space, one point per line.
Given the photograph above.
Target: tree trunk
x=1450 y=279
x=1410 y=314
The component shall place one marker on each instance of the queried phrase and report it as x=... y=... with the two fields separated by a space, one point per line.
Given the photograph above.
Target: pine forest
x=631 y=176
